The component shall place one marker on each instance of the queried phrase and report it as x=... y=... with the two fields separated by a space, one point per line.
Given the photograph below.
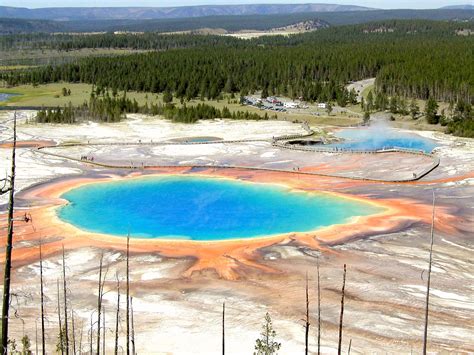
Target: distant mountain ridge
x=229 y=23
x=459 y=7
x=142 y=13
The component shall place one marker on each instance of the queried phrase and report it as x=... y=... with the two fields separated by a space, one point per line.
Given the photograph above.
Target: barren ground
x=178 y=313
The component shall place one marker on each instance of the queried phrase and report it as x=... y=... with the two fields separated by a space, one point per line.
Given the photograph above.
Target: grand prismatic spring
x=203 y=209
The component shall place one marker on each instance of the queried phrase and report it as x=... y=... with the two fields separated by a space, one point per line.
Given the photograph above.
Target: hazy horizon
x=381 y=4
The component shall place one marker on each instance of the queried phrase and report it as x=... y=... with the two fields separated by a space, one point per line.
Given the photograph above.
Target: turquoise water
x=200 y=208
x=5 y=96
x=202 y=139
x=377 y=138
x=197 y=139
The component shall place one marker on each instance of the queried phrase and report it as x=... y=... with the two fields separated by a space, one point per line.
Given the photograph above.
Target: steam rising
x=381 y=136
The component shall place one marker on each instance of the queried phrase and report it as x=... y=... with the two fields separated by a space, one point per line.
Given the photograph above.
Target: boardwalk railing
x=278 y=141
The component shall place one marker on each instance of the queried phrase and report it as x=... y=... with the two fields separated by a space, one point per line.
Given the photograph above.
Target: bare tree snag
x=103 y=330
x=43 y=342
x=73 y=332
x=223 y=328
x=306 y=335
x=339 y=347
x=128 y=296
x=133 y=326
x=91 y=334
x=99 y=304
x=4 y=188
x=61 y=344
x=36 y=337
x=80 y=336
x=319 y=311
x=117 y=317
x=428 y=284
x=8 y=249
x=66 y=330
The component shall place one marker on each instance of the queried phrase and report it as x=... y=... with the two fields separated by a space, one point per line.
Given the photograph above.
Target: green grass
x=46 y=95
x=366 y=91
x=51 y=95
x=14 y=67
x=355 y=108
x=340 y=121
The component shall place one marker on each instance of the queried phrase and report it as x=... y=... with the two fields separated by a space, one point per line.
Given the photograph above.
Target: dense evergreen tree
x=462 y=121
x=414 y=109
x=167 y=97
x=431 y=111
x=266 y=344
x=104 y=108
x=370 y=101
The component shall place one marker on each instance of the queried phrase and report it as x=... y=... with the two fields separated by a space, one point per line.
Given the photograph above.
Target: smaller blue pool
x=5 y=96
x=378 y=138
x=196 y=139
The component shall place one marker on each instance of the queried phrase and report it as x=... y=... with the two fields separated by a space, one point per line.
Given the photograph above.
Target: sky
x=383 y=4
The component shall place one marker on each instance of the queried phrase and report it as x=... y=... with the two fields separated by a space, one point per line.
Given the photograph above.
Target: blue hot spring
x=5 y=96
x=379 y=137
x=203 y=209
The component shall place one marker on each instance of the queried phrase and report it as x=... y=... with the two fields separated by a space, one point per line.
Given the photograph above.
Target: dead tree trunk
x=306 y=335
x=61 y=343
x=43 y=342
x=128 y=296
x=319 y=311
x=103 y=332
x=133 y=326
x=117 y=317
x=339 y=347
x=223 y=328
x=91 y=333
x=73 y=332
x=36 y=337
x=80 y=336
x=99 y=304
x=428 y=284
x=8 y=250
x=66 y=330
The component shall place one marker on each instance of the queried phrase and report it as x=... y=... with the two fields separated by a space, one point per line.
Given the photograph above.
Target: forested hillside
x=412 y=58
x=389 y=30
x=226 y=22
x=147 y=41
x=13 y=25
